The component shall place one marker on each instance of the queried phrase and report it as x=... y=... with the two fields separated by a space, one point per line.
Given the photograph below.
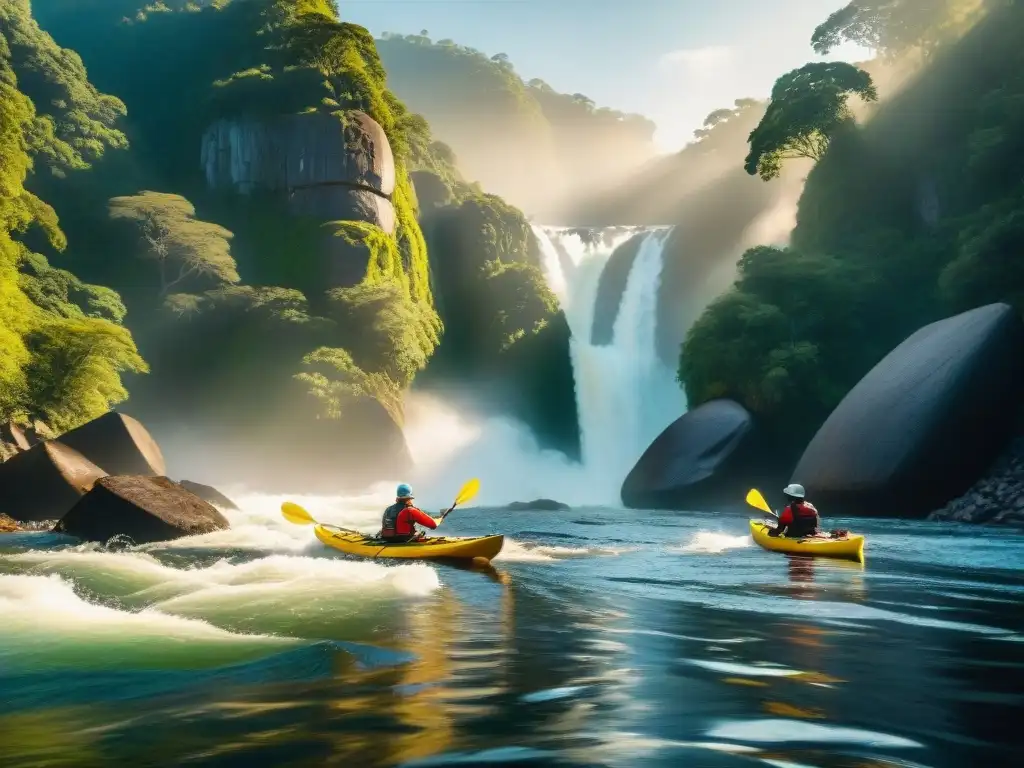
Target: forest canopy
x=908 y=217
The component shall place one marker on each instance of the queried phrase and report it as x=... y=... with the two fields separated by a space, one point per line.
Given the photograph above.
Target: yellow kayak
x=850 y=547
x=353 y=543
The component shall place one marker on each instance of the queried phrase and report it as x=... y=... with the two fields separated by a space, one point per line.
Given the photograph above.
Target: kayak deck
x=354 y=543
x=850 y=547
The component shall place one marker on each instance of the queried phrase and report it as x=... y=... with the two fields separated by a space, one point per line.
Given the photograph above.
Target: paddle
x=467 y=492
x=756 y=500
x=295 y=514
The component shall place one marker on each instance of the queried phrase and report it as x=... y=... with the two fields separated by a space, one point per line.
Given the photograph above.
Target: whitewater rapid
x=256 y=589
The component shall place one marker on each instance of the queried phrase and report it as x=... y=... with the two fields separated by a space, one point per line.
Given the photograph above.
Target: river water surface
x=601 y=637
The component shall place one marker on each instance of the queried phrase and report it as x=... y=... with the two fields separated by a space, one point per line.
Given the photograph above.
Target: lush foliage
x=808 y=106
x=236 y=299
x=183 y=248
x=62 y=348
x=244 y=283
x=895 y=27
x=913 y=216
x=504 y=332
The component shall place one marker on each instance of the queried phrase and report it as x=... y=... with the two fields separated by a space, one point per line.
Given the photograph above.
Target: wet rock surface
x=143 y=509
x=925 y=423
x=998 y=498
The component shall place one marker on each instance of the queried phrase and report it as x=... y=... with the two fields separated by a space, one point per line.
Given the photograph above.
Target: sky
x=673 y=61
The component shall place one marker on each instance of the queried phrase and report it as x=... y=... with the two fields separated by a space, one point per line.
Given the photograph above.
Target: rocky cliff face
x=331 y=167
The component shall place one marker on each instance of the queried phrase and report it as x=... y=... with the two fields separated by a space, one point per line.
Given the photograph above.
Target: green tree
x=184 y=248
x=893 y=27
x=334 y=380
x=808 y=106
x=75 y=372
x=781 y=342
x=384 y=329
x=75 y=123
x=988 y=267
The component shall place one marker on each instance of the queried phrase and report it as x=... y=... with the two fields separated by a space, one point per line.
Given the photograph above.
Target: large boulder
x=8 y=524
x=144 y=509
x=45 y=481
x=119 y=444
x=925 y=423
x=707 y=458
x=331 y=167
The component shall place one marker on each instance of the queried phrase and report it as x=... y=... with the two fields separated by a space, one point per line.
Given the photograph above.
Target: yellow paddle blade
x=755 y=499
x=469 y=490
x=293 y=513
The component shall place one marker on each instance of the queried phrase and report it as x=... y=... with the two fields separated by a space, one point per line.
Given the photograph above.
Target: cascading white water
x=625 y=395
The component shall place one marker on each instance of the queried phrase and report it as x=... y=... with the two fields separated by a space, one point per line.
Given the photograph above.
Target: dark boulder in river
x=925 y=423
x=543 y=505
x=45 y=481
x=208 y=493
x=119 y=444
x=145 y=509
x=704 y=459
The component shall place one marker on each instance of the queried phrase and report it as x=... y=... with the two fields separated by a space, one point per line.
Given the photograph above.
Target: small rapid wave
x=525 y=552
x=257 y=588
x=47 y=625
x=712 y=543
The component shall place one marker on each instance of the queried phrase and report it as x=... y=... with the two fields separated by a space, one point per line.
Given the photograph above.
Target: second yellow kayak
x=850 y=547
x=352 y=543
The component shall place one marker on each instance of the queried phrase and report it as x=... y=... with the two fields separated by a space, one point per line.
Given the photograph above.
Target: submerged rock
x=544 y=505
x=45 y=481
x=924 y=423
x=208 y=493
x=706 y=458
x=119 y=444
x=144 y=509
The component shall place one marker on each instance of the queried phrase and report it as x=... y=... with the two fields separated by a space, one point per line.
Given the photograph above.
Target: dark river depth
x=602 y=637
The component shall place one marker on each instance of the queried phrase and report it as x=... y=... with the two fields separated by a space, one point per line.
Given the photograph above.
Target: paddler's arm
x=421 y=517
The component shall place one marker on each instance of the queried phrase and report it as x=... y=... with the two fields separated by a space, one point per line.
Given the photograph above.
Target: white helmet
x=795 y=491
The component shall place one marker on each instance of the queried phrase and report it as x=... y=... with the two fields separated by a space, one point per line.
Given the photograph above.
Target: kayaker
x=400 y=519
x=799 y=519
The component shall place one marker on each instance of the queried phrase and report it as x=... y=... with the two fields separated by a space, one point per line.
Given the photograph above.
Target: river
x=602 y=637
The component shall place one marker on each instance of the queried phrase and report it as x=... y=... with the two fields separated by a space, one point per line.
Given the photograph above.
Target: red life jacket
x=400 y=520
x=800 y=519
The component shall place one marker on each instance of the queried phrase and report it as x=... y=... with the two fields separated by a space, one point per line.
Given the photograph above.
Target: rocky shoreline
x=997 y=498
x=104 y=479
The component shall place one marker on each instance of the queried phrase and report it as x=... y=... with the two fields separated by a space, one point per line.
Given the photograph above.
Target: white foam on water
x=47 y=625
x=711 y=542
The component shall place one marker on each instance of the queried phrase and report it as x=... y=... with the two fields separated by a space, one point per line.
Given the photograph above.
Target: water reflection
x=654 y=658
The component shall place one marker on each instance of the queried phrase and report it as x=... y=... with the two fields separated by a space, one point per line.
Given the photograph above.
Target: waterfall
x=625 y=395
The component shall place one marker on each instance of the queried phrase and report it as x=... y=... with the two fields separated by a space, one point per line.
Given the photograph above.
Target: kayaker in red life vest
x=799 y=519
x=400 y=519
